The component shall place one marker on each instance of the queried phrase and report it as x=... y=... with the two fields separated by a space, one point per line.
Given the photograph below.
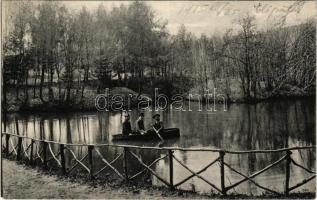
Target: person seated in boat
x=140 y=124
x=126 y=126
x=158 y=124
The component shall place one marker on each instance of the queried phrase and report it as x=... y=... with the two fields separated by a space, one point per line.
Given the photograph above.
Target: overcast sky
x=212 y=17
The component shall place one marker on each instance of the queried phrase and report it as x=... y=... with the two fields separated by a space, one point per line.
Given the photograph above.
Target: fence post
x=170 y=161
x=7 y=145
x=287 y=171
x=44 y=155
x=222 y=172
x=19 y=149
x=61 y=149
x=31 y=153
x=125 y=163
x=90 y=148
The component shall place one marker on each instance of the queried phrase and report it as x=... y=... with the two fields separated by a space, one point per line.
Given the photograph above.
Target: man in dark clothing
x=126 y=126
x=140 y=124
x=158 y=126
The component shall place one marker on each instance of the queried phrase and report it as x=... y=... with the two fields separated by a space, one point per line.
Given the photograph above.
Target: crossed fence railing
x=41 y=150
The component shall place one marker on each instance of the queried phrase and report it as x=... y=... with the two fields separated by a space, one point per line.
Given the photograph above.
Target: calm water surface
x=267 y=125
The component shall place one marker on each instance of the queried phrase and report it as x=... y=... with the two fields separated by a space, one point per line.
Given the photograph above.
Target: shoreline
x=32 y=182
x=22 y=181
x=90 y=107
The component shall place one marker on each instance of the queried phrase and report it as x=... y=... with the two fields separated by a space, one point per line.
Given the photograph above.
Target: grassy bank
x=231 y=90
x=22 y=181
x=55 y=100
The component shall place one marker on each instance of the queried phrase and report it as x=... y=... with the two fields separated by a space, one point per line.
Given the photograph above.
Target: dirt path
x=24 y=182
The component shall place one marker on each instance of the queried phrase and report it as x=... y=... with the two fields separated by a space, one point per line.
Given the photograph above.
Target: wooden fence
x=41 y=150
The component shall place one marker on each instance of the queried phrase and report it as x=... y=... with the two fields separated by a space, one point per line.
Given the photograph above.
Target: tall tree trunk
x=4 y=92
x=26 y=89
x=42 y=83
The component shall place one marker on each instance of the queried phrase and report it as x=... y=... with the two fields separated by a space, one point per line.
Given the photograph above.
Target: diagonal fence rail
x=41 y=151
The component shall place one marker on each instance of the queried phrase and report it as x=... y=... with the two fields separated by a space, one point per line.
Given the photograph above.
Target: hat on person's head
x=155 y=116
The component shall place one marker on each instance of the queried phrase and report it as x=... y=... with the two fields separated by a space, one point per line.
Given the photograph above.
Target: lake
x=265 y=125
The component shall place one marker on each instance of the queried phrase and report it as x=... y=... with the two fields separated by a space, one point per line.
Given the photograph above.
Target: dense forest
x=54 y=55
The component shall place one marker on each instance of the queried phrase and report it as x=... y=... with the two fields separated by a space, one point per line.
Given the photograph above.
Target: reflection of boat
x=149 y=135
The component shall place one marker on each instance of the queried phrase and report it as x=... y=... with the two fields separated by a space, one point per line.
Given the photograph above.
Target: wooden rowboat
x=150 y=135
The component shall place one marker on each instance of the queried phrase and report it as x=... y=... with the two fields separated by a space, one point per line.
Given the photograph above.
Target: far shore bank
x=130 y=100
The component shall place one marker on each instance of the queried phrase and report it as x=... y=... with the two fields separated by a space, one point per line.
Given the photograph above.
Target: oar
x=157 y=133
